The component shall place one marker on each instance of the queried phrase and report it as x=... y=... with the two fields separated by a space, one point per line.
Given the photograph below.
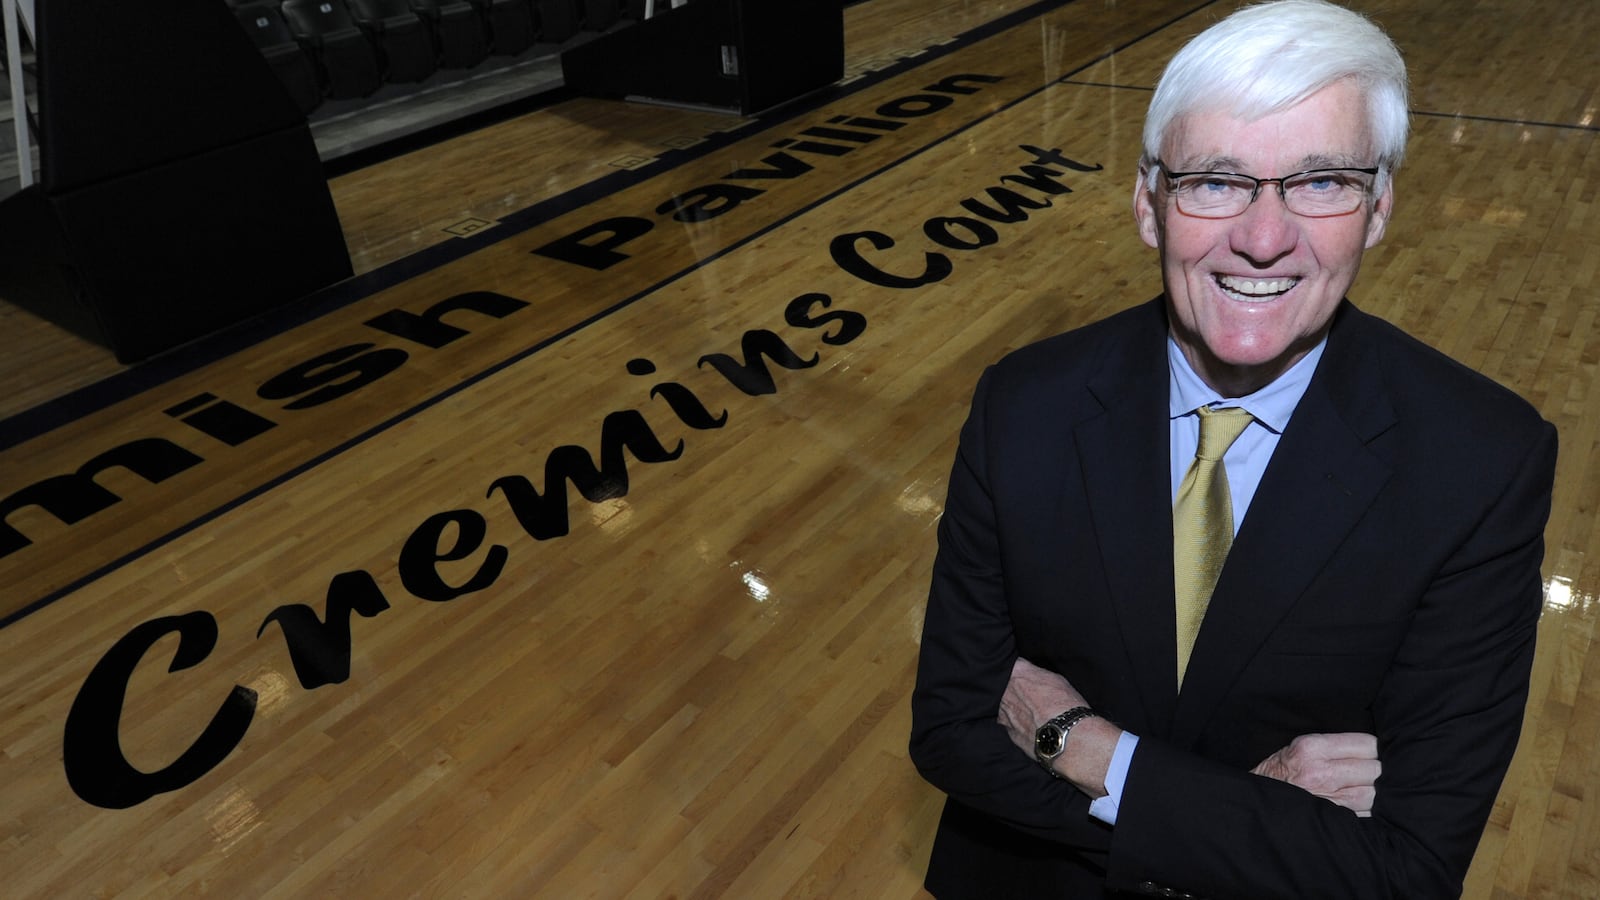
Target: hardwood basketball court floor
x=578 y=546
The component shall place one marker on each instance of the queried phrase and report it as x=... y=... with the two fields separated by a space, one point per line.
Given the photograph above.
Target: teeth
x=1266 y=287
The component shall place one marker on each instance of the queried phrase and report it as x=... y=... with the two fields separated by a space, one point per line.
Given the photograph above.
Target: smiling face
x=1249 y=296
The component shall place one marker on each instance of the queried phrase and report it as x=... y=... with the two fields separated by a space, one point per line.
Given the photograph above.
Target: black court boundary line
x=445 y=131
x=82 y=402
x=1420 y=113
x=374 y=431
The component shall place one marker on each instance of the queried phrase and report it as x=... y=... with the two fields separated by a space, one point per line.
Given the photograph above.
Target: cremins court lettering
x=1004 y=206
x=320 y=647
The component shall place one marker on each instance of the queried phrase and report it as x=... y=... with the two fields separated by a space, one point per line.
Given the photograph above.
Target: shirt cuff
x=1105 y=808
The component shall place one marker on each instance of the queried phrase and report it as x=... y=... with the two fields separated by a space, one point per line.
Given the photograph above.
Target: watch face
x=1048 y=741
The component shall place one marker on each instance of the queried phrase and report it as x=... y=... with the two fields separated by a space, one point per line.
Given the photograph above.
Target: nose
x=1266 y=231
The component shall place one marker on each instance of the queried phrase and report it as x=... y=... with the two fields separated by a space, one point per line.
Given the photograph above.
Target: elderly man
x=1237 y=589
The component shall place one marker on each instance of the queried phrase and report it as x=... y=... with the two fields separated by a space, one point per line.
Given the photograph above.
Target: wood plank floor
x=629 y=614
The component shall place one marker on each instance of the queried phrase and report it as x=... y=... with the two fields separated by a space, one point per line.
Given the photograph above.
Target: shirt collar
x=1271 y=406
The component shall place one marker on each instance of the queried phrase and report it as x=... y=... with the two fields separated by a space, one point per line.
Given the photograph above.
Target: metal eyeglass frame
x=1255 y=192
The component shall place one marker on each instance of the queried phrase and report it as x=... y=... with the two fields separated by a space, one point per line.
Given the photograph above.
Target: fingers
x=1357 y=800
x=1273 y=767
x=1343 y=768
x=1341 y=745
x=1031 y=697
x=1313 y=750
x=1040 y=688
x=1330 y=777
x=1345 y=745
x=1022 y=668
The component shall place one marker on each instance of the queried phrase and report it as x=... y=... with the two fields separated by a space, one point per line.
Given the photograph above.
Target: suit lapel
x=1319 y=483
x=1126 y=479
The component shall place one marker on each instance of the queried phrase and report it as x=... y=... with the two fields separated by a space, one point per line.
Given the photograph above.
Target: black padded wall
x=180 y=191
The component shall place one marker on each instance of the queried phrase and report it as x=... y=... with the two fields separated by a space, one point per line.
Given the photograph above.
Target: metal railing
x=19 y=13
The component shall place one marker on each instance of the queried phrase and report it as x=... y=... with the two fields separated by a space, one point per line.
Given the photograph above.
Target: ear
x=1144 y=210
x=1379 y=220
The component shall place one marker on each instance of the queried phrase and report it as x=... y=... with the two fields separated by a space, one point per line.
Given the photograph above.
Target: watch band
x=1055 y=732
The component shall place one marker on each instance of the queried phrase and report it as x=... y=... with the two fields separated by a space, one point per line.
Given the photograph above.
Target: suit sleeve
x=1448 y=715
x=968 y=648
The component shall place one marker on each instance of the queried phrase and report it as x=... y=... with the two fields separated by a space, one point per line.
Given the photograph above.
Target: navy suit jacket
x=1385 y=580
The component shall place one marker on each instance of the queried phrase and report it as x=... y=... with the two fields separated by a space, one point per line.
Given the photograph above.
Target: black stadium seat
x=600 y=15
x=288 y=59
x=457 y=30
x=402 y=37
x=349 y=63
x=511 y=25
x=558 y=19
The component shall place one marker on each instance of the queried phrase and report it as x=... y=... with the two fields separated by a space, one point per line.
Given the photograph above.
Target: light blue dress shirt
x=1245 y=462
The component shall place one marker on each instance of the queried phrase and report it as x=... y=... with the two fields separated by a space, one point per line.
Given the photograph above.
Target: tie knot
x=1219 y=428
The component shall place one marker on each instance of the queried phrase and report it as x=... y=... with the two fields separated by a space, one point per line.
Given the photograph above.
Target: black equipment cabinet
x=743 y=56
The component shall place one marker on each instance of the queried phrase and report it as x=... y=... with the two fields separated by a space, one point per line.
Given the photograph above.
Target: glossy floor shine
x=605 y=577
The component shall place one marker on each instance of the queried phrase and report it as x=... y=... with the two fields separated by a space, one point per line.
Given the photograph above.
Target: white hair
x=1267 y=58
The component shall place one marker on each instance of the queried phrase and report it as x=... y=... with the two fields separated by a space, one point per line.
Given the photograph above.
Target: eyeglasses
x=1315 y=193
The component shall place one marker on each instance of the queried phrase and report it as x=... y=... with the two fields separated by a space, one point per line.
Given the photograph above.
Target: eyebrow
x=1222 y=163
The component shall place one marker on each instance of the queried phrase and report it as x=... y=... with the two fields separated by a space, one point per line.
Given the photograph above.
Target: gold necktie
x=1202 y=524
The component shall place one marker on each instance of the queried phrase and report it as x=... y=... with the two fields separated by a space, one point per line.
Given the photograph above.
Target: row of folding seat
x=343 y=49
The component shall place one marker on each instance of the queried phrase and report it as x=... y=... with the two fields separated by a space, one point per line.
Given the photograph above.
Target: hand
x=1343 y=768
x=1034 y=696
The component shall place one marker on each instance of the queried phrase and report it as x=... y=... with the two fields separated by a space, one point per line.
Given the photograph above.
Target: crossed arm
x=1341 y=768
